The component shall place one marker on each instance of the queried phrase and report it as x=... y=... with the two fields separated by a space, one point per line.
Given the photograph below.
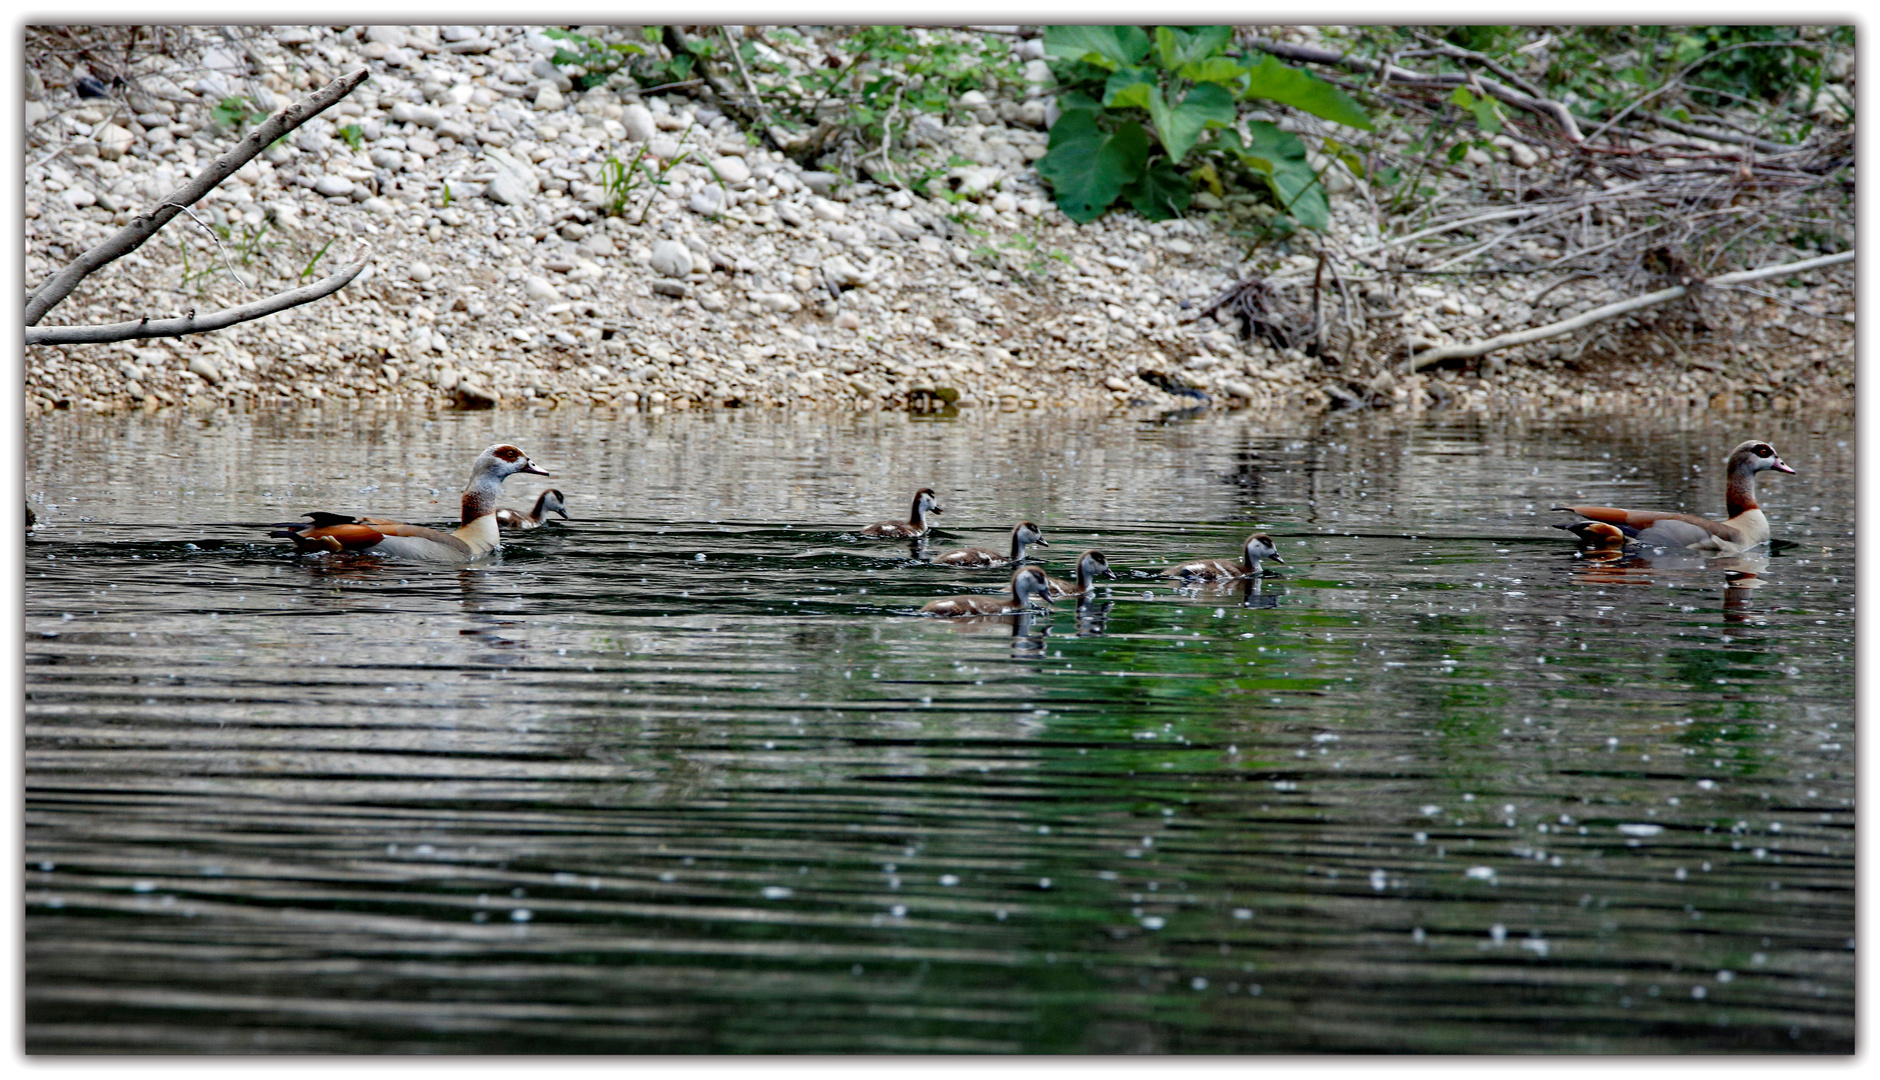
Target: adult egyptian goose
x=1028 y=584
x=1089 y=565
x=1259 y=546
x=549 y=502
x=1743 y=529
x=479 y=535
x=925 y=502
x=1024 y=534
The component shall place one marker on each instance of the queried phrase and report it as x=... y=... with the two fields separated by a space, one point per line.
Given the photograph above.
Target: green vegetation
x=1185 y=85
x=235 y=114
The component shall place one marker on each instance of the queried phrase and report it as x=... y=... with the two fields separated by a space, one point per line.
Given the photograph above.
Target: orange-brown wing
x=1645 y=519
x=350 y=537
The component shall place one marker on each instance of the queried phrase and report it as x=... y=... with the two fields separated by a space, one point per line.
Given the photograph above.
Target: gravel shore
x=474 y=173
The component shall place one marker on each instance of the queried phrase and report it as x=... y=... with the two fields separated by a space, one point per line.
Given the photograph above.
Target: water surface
x=686 y=774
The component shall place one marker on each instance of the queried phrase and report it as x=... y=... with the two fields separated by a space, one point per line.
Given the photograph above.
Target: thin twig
x=133 y=236
x=192 y=323
x=1678 y=79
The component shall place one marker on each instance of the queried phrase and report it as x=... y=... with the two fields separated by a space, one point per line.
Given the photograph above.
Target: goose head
x=1261 y=546
x=926 y=502
x=1028 y=584
x=550 y=503
x=1090 y=564
x=1754 y=456
x=1026 y=534
x=502 y=461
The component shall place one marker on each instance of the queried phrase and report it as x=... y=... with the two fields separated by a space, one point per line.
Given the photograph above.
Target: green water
x=687 y=775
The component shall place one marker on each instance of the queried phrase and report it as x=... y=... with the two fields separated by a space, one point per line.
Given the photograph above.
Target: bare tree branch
x=1313 y=54
x=1600 y=314
x=132 y=236
x=192 y=323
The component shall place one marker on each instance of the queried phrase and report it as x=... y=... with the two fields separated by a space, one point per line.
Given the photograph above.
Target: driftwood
x=132 y=236
x=192 y=323
x=1587 y=318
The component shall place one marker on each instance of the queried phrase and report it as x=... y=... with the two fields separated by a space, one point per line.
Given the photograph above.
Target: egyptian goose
x=549 y=502
x=478 y=536
x=1089 y=565
x=1028 y=584
x=1259 y=546
x=1023 y=534
x=1743 y=529
x=916 y=525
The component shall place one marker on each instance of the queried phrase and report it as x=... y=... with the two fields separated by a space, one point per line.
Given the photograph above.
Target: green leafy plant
x=234 y=114
x=354 y=135
x=1185 y=85
x=596 y=59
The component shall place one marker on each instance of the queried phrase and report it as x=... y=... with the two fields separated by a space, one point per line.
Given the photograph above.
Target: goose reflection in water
x=1645 y=566
x=1093 y=615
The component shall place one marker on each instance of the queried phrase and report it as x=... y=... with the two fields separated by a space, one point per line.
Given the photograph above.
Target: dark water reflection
x=685 y=775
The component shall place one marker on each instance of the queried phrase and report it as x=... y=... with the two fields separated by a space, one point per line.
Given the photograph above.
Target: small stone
x=828 y=211
x=514 y=183
x=390 y=35
x=822 y=183
x=731 y=170
x=113 y=141
x=671 y=259
x=1523 y=156
x=78 y=197
x=331 y=185
x=675 y=289
x=419 y=271
x=548 y=98
x=1116 y=383
x=638 y=120
x=1238 y=389
x=713 y=301
x=709 y=201
x=472 y=394
x=548 y=72
x=848 y=320
x=540 y=288
x=1003 y=203
x=203 y=366
x=405 y=112
x=379 y=206
x=972 y=99
x=387 y=158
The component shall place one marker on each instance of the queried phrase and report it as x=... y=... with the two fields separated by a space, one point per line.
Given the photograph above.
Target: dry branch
x=133 y=236
x=1600 y=314
x=192 y=323
x=1391 y=73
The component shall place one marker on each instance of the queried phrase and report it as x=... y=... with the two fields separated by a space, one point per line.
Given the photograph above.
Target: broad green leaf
x=1072 y=100
x=1161 y=193
x=1087 y=168
x=1176 y=45
x=1215 y=69
x=1462 y=97
x=1130 y=86
x=1276 y=81
x=1282 y=158
x=1108 y=47
x=1208 y=105
x=1487 y=117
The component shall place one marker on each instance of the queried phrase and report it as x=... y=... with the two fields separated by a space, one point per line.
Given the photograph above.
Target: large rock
x=638 y=120
x=671 y=259
x=205 y=367
x=515 y=183
x=113 y=141
x=731 y=170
